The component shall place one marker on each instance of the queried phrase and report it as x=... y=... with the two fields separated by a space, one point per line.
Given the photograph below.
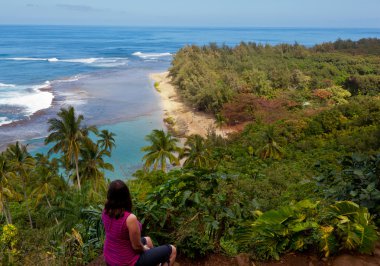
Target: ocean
x=103 y=72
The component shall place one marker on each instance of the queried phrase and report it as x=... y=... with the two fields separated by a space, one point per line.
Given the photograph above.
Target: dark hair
x=118 y=199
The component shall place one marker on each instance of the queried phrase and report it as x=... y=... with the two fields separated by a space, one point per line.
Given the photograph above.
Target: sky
x=212 y=13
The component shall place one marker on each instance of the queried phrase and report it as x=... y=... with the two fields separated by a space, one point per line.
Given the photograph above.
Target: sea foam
x=25 y=59
x=53 y=59
x=80 y=60
x=151 y=55
x=5 y=121
x=7 y=85
x=93 y=61
x=30 y=98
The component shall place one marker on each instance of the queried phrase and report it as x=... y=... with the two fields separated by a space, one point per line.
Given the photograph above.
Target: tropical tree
x=163 y=148
x=196 y=152
x=271 y=149
x=5 y=189
x=92 y=162
x=107 y=140
x=21 y=164
x=68 y=133
x=68 y=211
x=48 y=182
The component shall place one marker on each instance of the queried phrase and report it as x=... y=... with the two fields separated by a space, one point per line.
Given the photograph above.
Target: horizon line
x=188 y=26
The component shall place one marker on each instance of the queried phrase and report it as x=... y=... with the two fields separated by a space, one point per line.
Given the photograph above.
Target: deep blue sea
x=103 y=72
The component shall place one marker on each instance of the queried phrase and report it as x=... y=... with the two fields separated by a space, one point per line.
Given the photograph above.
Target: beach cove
x=179 y=117
x=106 y=74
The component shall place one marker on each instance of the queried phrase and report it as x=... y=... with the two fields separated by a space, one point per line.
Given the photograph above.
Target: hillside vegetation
x=216 y=79
x=303 y=174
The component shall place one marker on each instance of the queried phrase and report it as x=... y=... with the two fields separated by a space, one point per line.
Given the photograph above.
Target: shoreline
x=179 y=118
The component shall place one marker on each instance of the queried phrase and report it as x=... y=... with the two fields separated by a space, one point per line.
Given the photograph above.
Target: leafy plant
x=8 y=244
x=194 y=210
x=275 y=232
x=357 y=180
x=346 y=226
x=340 y=226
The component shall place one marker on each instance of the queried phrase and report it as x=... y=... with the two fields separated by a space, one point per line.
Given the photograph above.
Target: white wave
x=69 y=79
x=53 y=59
x=25 y=59
x=5 y=121
x=94 y=61
x=7 y=85
x=110 y=62
x=31 y=98
x=151 y=55
x=39 y=87
x=100 y=61
x=81 y=60
x=31 y=59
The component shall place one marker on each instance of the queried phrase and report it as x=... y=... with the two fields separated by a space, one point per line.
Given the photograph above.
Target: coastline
x=179 y=118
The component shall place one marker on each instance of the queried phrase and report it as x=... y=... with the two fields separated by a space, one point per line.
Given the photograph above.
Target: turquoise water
x=126 y=156
x=103 y=72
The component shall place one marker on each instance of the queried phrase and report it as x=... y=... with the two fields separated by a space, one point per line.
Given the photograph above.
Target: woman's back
x=117 y=247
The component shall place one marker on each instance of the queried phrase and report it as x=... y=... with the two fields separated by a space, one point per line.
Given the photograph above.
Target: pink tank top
x=118 y=249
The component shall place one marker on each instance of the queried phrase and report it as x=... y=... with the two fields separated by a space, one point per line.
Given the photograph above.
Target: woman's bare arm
x=134 y=233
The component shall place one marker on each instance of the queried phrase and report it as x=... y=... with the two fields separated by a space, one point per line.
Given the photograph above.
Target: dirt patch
x=291 y=259
x=212 y=260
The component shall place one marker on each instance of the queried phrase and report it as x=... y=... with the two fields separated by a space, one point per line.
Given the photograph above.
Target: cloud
x=78 y=8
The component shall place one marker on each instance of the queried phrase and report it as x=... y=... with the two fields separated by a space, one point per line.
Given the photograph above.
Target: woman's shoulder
x=131 y=216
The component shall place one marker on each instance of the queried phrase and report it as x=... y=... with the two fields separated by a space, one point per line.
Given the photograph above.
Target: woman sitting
x=124 y=245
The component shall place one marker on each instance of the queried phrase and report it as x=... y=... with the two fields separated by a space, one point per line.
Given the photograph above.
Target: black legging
x=154 y=256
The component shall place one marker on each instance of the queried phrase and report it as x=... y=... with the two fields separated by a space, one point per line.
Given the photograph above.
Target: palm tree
x=196 y=152
x=21 y=163
x=271 y=149
x=67 y=133
x=107 y=140
x=91 y=163
x=48 y=181
x=163 y=147
x=68 y=212
x=5 y=189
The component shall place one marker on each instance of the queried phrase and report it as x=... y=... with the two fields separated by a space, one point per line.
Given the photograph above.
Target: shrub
x=8 y=244
x=340 y=226
x=275 y=232
x=346 y=226
x=364 y=85
x=157 y=86
x=357 y=180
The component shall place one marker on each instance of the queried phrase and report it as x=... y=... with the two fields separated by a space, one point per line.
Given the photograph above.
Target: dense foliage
x=210 y=77
x=49 y=206
x=304 y=225
x=302 y=174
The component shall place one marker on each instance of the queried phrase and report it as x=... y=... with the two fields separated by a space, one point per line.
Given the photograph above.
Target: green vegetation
x=210 y=77
x=303 y=174
x=162 y=149
x=157 y=86
x=169 y=121
x=298 y=227
x=51 y=206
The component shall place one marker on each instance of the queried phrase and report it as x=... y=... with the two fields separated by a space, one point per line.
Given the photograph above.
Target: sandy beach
x=178 y=117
